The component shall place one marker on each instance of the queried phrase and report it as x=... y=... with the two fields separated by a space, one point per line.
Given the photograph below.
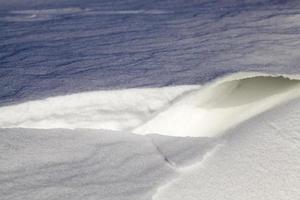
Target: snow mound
x=258 y=159
x=113 y=110
x=221 y=105
x=177 y=111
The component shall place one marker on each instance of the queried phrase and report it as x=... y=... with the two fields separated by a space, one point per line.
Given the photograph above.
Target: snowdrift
x=192 y=110
x=235 y=155
x=258 y=159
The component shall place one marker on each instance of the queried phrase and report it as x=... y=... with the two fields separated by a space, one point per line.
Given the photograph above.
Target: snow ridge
x=175 y=111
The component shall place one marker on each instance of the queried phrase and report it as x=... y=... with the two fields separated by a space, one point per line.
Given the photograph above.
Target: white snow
x=114 y=110
x=176 y=111
x=79 y=164
x=222 y=105
x=259 y=159
x=233 y=155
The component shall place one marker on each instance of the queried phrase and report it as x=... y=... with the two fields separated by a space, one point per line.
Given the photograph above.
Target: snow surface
x=175 y=111
x=114 y=110
x=148 y=75
x=79 y=164
x=211 y=110
x=259 y=159
x=252 y=158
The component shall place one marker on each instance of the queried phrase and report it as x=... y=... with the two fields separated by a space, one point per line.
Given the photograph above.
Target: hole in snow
x=176 y=111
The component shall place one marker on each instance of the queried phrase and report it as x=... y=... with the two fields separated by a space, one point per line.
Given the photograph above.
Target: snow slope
x=219 y=106
x=176 y=111
x=259 y=159
x=141 y=100
x=114 y=110
x=79 y=164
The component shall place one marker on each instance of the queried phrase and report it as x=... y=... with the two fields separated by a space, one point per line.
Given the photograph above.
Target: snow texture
x=149 y=100
x=84 y=163
x=78 y=164
x=256 y=160
x=175 y=111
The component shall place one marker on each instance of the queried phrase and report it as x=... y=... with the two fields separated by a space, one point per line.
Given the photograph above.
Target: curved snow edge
x=189 y=110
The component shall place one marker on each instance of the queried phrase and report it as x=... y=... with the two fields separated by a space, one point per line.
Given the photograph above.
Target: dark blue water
x=57 y=47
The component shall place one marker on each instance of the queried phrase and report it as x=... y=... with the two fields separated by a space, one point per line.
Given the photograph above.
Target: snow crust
x=176 y=111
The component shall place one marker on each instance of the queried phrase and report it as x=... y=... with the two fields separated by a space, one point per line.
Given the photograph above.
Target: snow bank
x=259 y=159
x=221 y=105
x=176 y=111
x=253 y=158
x=114 y=110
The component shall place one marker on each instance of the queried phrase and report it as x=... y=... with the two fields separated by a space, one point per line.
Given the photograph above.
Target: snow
x=259 y=159
x=114 y=110
x=217 y=107
x=141 y=100
x=247 y=147
x=79 y=164
x=195 y=111
x=250 y=152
